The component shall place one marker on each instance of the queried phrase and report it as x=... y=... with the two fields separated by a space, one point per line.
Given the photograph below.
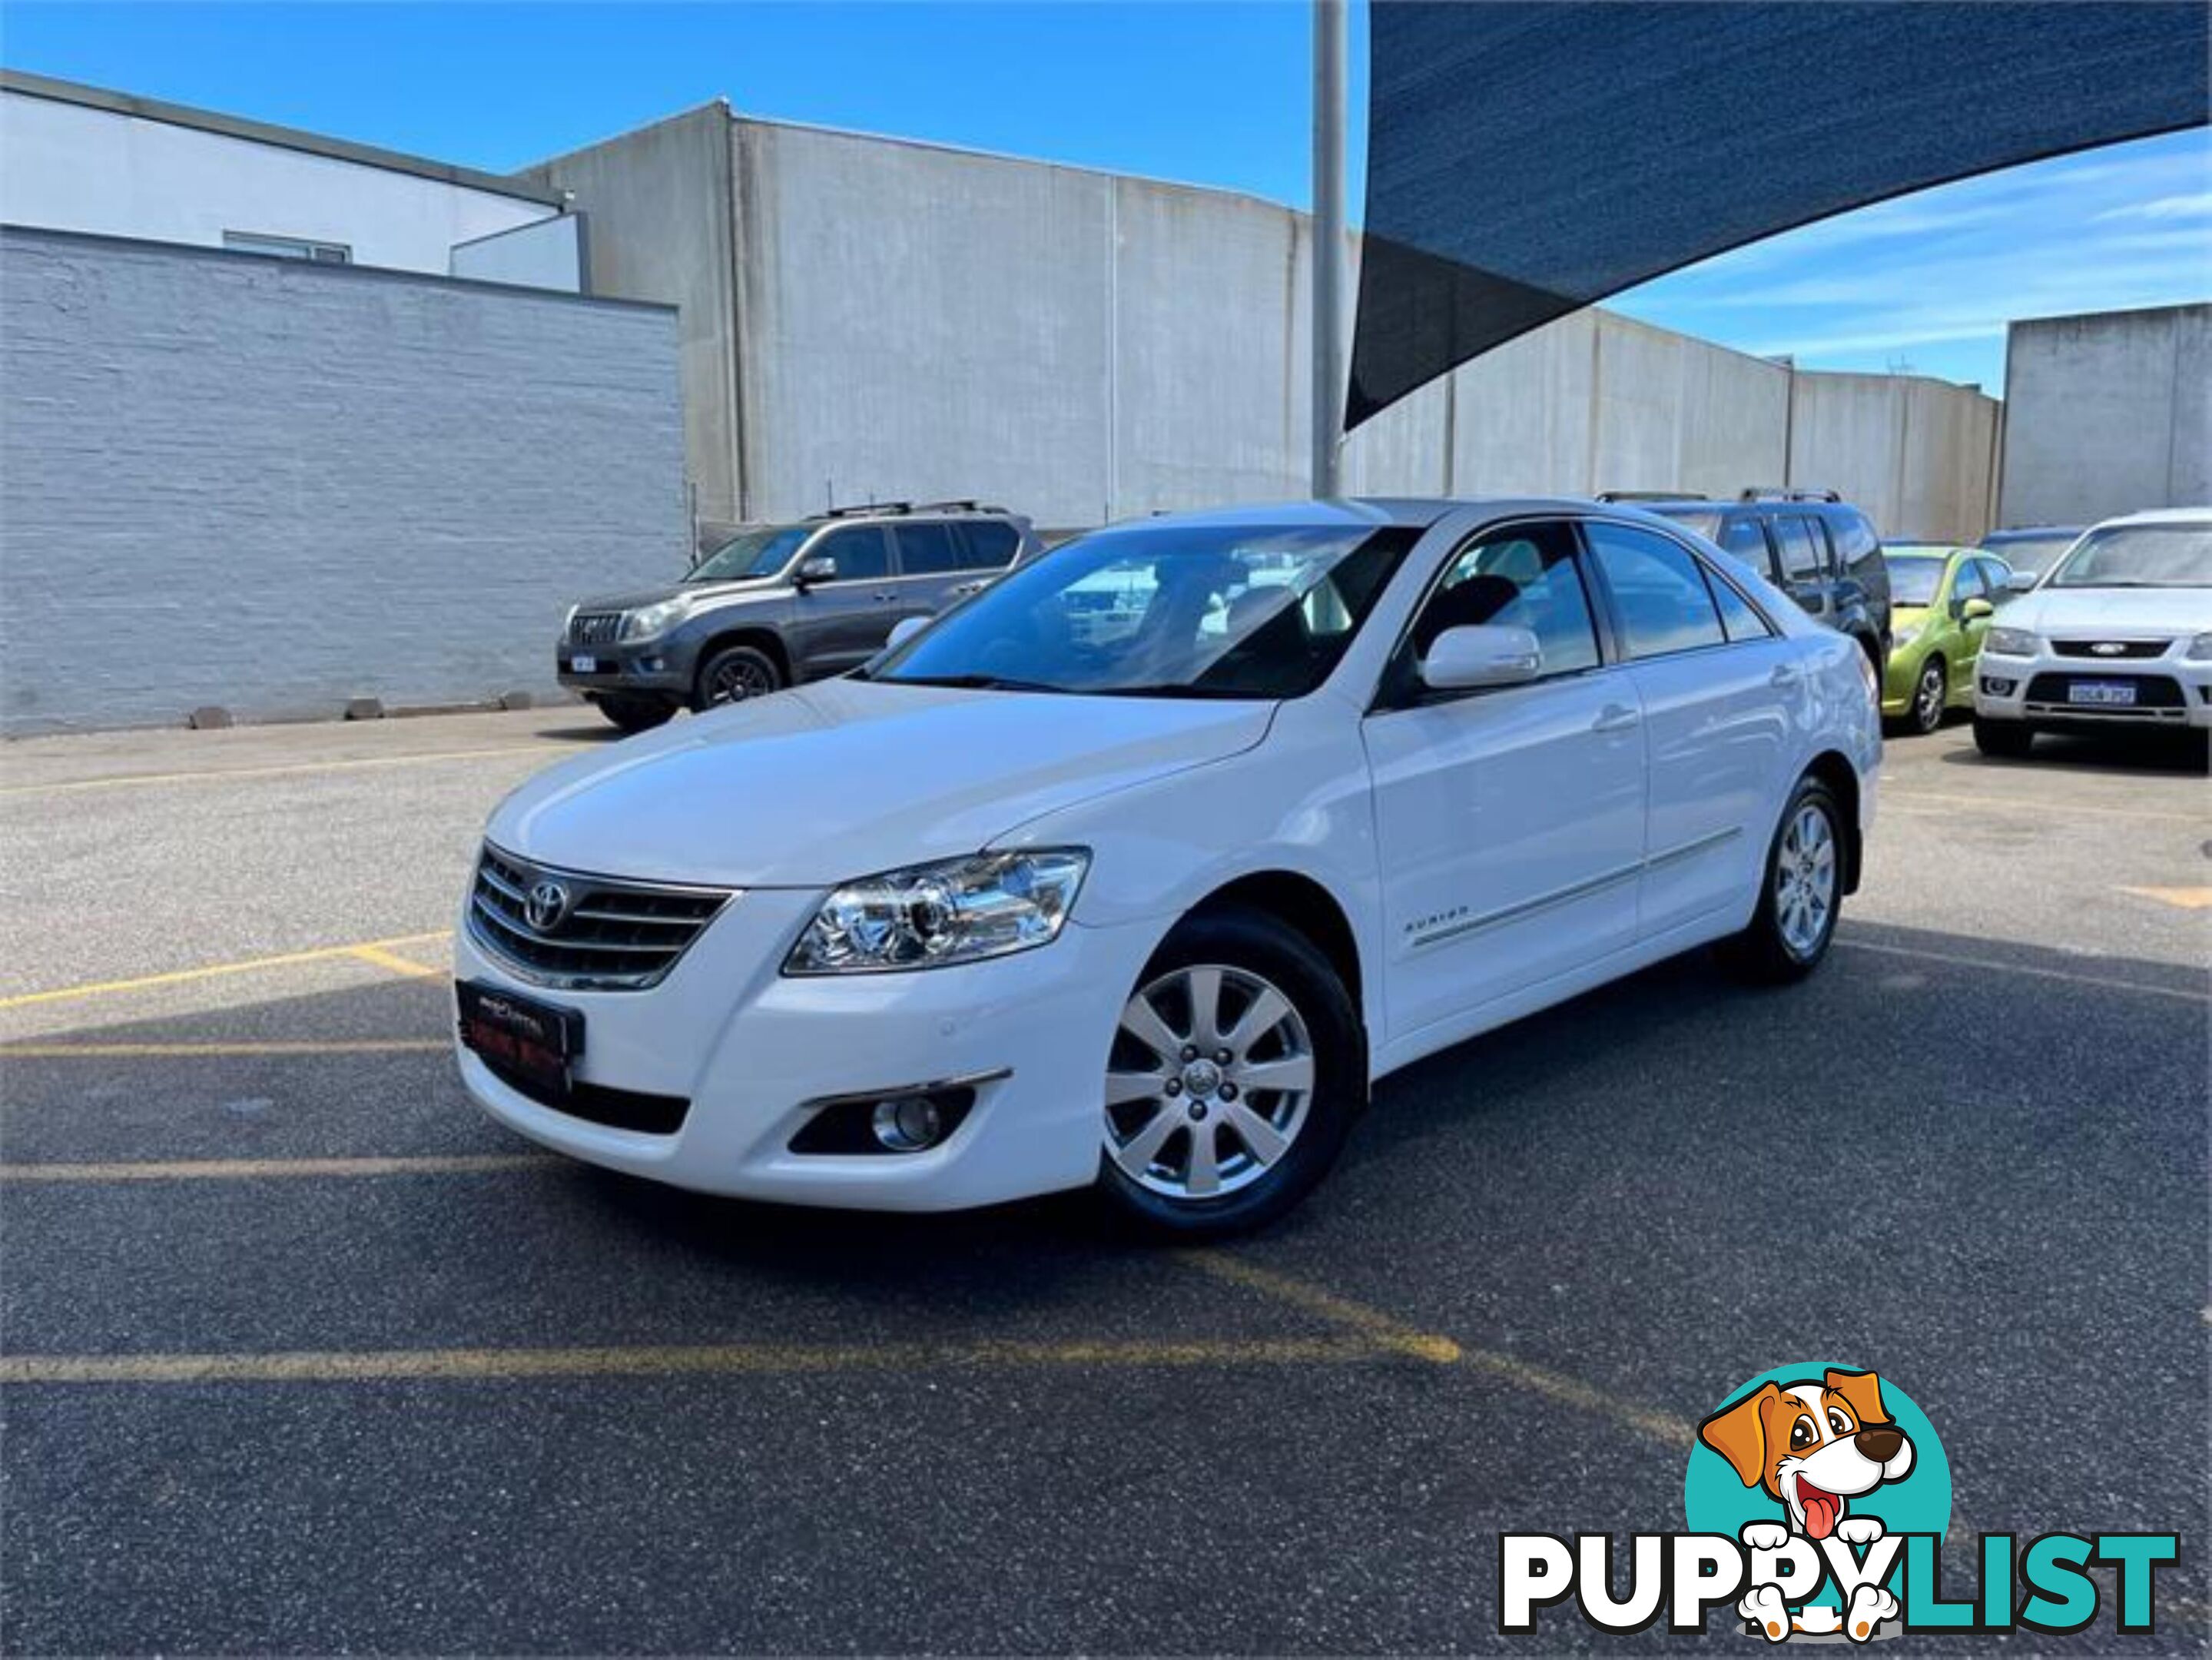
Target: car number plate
x=2101 y=691
x=583 y=665
x=539 y=1041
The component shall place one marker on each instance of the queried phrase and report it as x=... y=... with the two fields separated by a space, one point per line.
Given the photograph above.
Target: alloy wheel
x=734 y=682
x=1211 y=1079
x=1928 y=698
x=1805 y=880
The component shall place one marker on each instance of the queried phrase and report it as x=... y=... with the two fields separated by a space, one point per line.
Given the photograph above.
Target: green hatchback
x=1941 y=599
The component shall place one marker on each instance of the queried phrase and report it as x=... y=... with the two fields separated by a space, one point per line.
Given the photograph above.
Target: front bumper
x=651 y=667
x=749 y=1049
x=2171 y=691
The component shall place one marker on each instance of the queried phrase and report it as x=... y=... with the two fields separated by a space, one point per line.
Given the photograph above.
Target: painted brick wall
x=275 y=486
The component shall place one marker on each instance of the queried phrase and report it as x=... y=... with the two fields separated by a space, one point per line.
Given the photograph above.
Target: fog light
x=908 y=1123
x=1999 y=687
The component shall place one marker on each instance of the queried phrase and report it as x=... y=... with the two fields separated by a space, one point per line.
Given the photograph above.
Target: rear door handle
x=1615 y=717
x=1785 y=674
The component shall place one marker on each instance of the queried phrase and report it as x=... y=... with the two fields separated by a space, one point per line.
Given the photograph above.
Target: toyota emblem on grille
x=546 y=904
x=2108 y=648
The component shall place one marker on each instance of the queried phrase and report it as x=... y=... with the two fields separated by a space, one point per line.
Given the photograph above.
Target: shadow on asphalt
x=2114 y=754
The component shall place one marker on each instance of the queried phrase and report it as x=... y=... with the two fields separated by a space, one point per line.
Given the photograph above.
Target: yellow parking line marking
x=240 y=1169
x=1385 y=1332
x=220 y=774
x=179 y=977
x=400 y=965
x=2180 y=898
x=482 y=1364
x=2108 y=981
x=1904 y=798
x=198 y=1051
x=1376 y=1327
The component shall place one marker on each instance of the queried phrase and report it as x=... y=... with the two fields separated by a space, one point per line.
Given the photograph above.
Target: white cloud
x=2166 y=207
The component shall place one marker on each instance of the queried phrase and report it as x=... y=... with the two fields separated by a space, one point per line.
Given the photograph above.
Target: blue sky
x=1214 y=94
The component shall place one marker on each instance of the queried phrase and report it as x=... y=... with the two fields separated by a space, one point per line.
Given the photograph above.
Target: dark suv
x=779 y=604
x=1812 y=544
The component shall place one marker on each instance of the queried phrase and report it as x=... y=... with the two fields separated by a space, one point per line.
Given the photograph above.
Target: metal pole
x=1329 y=370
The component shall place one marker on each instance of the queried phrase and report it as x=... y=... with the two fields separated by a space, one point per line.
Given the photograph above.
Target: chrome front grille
x=561 y=928
x=2106 y=648
x=595 y=628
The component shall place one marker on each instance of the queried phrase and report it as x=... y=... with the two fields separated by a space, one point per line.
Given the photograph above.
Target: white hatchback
x=2117 y=633
x=1138 y=868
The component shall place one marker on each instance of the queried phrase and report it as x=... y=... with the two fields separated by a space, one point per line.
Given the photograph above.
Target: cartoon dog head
x=1813 y=1445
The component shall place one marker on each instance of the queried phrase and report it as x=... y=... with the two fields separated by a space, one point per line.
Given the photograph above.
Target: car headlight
x=648 y=620
x=2199 y=649
x=1903 y=638
x=959 y=910
x=2009 y=642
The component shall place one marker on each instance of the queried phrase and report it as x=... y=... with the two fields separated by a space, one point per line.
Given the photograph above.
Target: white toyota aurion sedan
x=1140 y=867
x=2118 y=633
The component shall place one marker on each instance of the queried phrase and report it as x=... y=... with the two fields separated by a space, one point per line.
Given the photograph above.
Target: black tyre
x=634 y=713
x=735 y=673
x=1235 y=1075
x=2008 y=740
x=1800 y=891
x=1931 y=694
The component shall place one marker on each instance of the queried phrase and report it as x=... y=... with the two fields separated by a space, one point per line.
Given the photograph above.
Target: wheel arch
x=1311 y=909
x=1834 y=768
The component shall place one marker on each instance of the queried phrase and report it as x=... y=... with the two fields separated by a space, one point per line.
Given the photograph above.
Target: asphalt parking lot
x=298 y=1352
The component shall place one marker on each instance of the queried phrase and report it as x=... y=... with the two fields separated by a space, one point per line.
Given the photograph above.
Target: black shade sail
x=1525 y=160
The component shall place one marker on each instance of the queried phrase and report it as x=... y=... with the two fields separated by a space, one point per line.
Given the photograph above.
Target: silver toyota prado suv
x=779 y=604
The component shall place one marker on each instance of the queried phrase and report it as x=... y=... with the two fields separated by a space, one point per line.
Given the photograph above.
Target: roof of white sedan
x=1420 y=511
x=2160 y=516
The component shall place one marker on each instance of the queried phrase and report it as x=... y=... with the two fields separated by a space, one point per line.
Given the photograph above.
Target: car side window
x=990 y=544
x=862 y=554
x=1801 y=556
x=927 y=549
x=1746 y=540
x=1966 y=582
x=1998 y=575
x=1527 y=576
x=1738 y=617
x=1658 y=589
x=1856 y=545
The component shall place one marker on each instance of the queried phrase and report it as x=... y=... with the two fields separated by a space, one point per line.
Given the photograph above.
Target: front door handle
x=1615 y=717
x=885 y=599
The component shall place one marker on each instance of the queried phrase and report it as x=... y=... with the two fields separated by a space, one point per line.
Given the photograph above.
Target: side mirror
x=822 y=567
x=1975 y=609
x=1462 y=659
x=904 y=630
x=2021 y=581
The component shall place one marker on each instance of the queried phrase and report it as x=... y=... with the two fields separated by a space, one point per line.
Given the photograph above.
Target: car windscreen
x=750 y=553
x=2031 y=553
x=1178 y=611
x=2139 y=557
x=1914 y=578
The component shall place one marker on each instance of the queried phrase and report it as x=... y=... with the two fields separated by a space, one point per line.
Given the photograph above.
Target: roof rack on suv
x=869 y=510
x=1653 y=496
x=1785 y=493
x=961 y=504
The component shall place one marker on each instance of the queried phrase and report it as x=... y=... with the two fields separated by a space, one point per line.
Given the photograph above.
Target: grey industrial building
x=2107 y=414
x=872 y=317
